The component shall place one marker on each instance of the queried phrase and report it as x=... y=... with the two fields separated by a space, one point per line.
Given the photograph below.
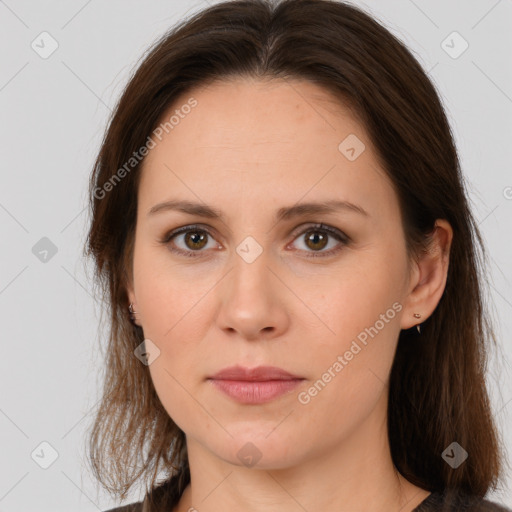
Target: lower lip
x=255 y=392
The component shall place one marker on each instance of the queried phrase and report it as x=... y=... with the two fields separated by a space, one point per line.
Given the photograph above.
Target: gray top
x=434 y=502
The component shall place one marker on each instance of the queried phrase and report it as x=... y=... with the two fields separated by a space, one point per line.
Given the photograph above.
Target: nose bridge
x=251 y=269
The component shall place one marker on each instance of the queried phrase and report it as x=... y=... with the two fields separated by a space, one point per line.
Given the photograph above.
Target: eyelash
x=337 y=234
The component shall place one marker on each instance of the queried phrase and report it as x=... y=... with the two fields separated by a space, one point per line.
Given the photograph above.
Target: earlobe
x=132 y=303
x=430 y=275
x=132 y=311
x=130 y=293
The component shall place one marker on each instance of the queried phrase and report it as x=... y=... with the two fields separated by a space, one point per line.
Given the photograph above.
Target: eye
x=316 y=238
x=193 y=239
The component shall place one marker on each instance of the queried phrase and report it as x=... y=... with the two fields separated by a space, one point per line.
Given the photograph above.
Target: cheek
x=172 y=389
x=352 y=359
x=168 y=293
x=360 y=352
x=349 y=372
x=364 y=300
x=180 y=368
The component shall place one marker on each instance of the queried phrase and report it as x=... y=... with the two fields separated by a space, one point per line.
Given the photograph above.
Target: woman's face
x=257 y=287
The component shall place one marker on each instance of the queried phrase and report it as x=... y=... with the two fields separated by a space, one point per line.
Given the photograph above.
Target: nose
x=253 y=300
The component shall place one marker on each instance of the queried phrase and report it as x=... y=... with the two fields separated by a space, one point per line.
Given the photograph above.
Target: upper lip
x=259 y=373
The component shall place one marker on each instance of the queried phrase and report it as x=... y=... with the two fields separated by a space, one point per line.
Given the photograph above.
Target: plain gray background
x=53 y=113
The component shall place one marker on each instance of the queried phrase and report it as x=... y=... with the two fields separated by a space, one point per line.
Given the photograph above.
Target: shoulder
x=132 y=507
x=457 y=501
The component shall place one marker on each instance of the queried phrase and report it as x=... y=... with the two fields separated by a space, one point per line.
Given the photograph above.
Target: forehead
x=247 y=138
x=244 y=113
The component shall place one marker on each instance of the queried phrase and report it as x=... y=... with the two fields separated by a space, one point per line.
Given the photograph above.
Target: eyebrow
x=285 y=213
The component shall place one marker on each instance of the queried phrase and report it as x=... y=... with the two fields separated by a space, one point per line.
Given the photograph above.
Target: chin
x=258 y=447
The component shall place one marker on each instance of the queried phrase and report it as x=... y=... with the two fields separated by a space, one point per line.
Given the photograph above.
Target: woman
x=280 y=227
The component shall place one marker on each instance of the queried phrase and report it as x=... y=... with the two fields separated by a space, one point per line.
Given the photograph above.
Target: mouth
x=254 y=386
x=259 y=373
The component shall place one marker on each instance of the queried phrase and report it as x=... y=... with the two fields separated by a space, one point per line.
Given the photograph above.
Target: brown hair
x=437 y=390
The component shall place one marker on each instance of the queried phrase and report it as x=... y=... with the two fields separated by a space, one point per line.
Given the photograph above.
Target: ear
x=428 y=277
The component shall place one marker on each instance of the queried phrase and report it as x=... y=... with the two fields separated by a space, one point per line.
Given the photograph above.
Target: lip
x=259 y=373
x=254 y=385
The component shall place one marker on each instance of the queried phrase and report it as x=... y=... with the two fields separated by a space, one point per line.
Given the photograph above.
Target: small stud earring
x=417 y=315
x=132 y=312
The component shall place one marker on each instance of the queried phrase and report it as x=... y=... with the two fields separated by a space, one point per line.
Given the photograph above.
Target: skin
x=248 y=148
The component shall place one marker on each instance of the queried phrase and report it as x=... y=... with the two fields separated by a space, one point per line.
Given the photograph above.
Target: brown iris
x=317 y=239
x=198 y=238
